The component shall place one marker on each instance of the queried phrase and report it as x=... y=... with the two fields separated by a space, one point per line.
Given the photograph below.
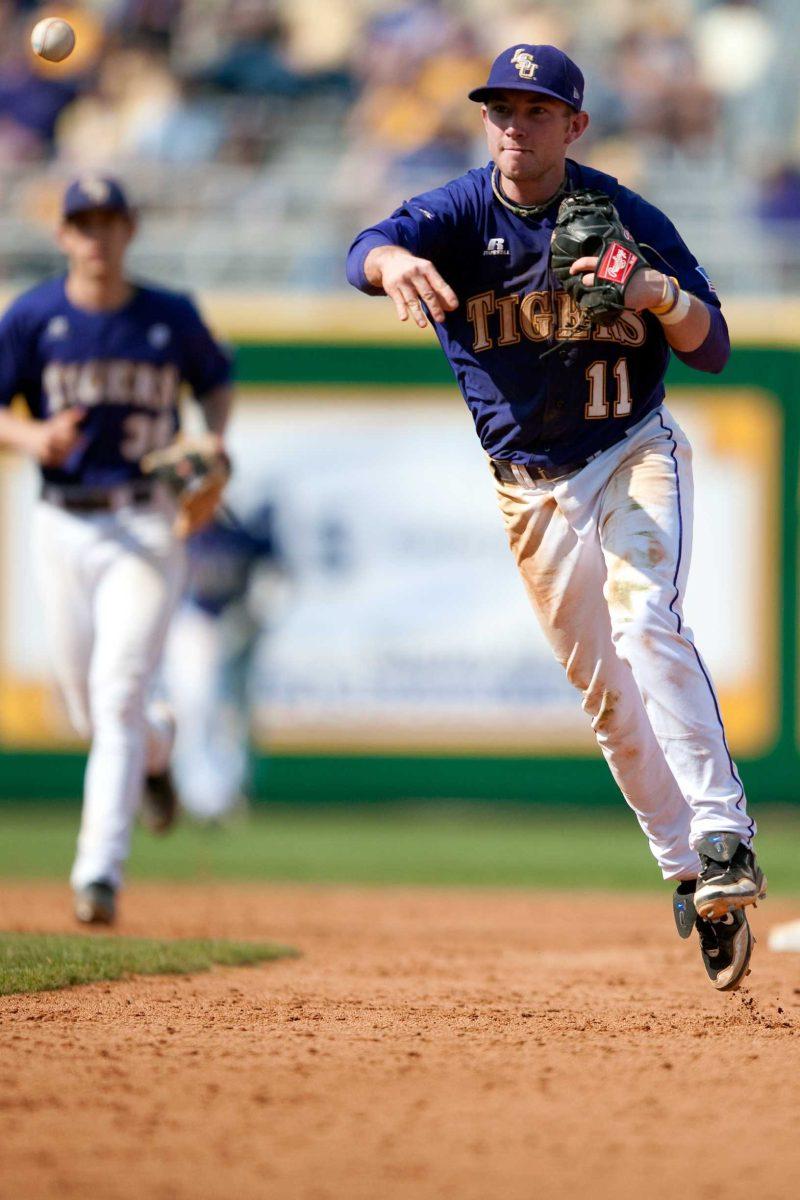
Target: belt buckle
x=120 y=497
x=522 y=475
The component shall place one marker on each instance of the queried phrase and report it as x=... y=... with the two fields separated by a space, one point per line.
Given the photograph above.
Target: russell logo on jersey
x=159 y=335
x=497 y=246
x=57 y=328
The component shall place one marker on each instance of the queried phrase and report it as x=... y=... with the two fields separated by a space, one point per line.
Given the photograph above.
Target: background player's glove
x=196 y=471
x=588 y=225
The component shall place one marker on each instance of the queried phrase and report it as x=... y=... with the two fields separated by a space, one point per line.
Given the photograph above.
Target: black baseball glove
x=588 y=224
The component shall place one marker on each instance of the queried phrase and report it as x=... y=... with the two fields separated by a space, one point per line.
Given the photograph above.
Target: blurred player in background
x=99 y=360
x=235 y=584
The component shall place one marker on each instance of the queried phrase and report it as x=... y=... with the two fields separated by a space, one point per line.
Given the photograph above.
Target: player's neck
x=533 y=191
x=98 y=294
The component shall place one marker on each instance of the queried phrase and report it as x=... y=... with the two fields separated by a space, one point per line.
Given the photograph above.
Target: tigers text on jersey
x=124 y=367
x=544 y=387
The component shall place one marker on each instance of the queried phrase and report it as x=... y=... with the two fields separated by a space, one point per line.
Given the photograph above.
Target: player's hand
x=410 y=281
x=585 y=267
x=216 y=440
x=54 y=440
x=645 y=290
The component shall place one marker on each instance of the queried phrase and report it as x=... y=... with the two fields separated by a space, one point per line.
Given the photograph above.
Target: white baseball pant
x=604 y=555
x=108 y=584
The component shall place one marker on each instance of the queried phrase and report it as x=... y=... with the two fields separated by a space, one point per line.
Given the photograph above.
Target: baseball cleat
x=95 y=904
x=730 y=877
x=725 y=947
x=725 y=944
x=683 y=908
x=159 y=809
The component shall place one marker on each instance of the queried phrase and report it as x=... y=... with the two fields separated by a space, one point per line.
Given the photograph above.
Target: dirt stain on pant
x=621 y=592
x=605 y=714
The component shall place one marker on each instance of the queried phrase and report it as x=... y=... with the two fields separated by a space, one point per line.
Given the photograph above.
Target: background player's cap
x=93 y=192
x=544 y=69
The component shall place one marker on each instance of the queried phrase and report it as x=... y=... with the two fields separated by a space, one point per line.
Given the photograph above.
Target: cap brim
x=484 y=93
x=86 y=208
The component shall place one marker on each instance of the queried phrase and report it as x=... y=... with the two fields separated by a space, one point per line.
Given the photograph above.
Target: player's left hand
x=645 y=290
x=196 y=471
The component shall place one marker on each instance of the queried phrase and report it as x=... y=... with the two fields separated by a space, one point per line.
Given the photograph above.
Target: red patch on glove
x=617 y=264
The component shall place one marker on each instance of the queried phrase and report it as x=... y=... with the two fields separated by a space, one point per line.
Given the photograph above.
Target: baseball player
x=99 y=361
x=592 y=472
x=230 y=599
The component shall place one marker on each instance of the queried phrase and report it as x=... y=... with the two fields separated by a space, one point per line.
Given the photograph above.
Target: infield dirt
x=429 y=1043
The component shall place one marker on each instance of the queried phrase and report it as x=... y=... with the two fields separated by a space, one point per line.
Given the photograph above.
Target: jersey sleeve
x=206 y=364
x=663 y=246
x=424 y=225
x=665 y=249
x=17 y=366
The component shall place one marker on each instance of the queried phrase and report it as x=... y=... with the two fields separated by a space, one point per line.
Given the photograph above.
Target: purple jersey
x=124 y=367
x=530 y=406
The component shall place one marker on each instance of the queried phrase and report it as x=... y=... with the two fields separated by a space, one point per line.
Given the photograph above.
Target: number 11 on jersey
x=597 y=404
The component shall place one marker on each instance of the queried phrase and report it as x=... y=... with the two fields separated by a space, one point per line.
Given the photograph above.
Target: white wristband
x=681 y=308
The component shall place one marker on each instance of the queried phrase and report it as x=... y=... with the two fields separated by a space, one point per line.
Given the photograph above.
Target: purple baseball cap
x=92 y=193
x=544 y=69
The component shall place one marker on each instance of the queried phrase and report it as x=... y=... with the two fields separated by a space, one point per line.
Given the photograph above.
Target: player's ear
x=132 y=222
x=578 y=124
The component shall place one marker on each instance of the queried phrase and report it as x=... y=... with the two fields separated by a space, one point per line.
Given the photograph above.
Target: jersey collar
x=525 y=210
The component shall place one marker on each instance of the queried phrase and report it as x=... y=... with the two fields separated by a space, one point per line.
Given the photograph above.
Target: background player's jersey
x=125 y=368
x=530 y=406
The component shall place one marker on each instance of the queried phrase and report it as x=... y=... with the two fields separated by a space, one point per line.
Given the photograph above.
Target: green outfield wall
x=772 y=773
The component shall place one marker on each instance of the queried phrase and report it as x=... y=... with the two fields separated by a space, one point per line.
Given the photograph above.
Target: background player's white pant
x=108 y=584
x=211 y=757
x=605 y=556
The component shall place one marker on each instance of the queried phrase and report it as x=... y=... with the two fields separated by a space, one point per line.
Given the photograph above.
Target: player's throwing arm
x=410 y=282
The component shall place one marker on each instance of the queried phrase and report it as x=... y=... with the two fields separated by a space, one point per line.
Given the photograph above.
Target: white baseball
x=53 y=39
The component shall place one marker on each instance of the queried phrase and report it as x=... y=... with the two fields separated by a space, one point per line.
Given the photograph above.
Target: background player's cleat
x=730 y=877
x=725 y=947
x=159 y=809
x=95 y=904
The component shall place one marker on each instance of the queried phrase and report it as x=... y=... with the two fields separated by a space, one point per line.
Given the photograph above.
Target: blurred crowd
x=371 y=93
x=178 y=81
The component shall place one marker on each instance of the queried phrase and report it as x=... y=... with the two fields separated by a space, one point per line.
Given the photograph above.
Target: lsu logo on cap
x=524 y=62
x=617 y=264
x=96 y=189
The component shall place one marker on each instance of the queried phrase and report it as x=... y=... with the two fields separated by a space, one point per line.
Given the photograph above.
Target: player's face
x=95 y=242
x=528 y=134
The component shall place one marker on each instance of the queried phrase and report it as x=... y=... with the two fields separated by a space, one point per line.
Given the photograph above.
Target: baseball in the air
x=53 y=39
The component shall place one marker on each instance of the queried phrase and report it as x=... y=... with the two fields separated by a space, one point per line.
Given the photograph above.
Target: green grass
x=564 y=848
x=39 y=962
